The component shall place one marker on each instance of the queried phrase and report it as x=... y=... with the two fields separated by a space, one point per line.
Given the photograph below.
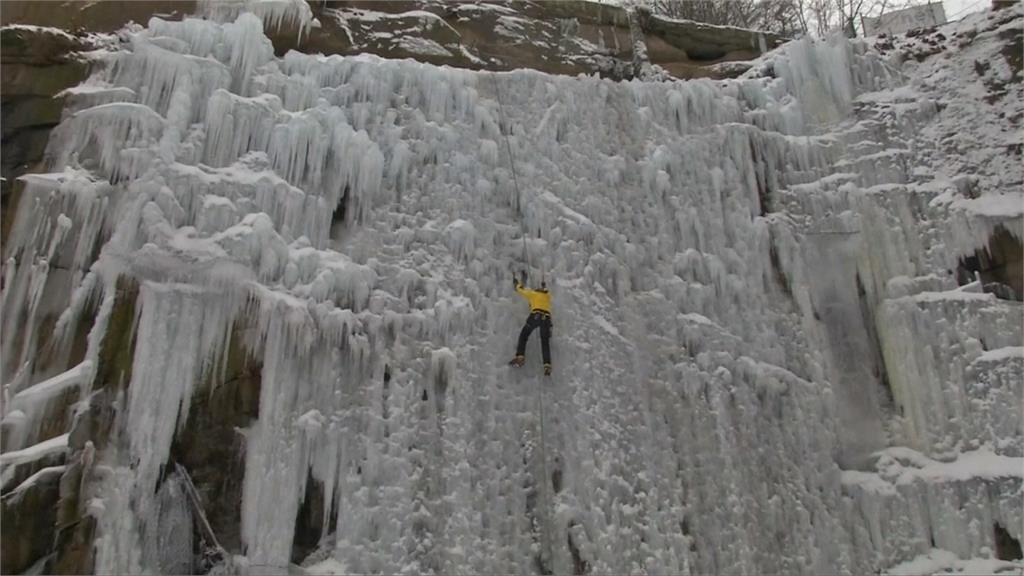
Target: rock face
x=29 y=516
x=35 y=65
x=568 y=37
x=40 y=57
x=77 y=17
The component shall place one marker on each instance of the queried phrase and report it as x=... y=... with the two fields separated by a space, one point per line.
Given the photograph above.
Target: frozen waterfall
x=762 y=363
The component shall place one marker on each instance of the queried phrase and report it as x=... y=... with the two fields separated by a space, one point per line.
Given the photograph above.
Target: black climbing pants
x=536 y=320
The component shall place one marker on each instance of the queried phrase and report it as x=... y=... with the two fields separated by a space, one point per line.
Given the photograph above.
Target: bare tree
x=784 y=17
x=847 y=15
x=781 y=16
x=819 y=16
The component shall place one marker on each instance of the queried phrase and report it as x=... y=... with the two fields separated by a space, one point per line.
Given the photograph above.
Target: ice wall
x=725 y=259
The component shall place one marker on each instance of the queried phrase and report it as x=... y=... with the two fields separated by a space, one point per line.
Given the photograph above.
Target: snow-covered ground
x=763 y=362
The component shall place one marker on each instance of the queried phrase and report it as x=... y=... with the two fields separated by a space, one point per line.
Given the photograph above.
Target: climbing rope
x=543 y=469
x=545 y=537
x=512 y=164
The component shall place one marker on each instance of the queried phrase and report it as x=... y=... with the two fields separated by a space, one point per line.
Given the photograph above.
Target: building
x=899 y=21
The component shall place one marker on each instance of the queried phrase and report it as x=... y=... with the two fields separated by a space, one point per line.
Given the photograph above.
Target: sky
x=956 y=9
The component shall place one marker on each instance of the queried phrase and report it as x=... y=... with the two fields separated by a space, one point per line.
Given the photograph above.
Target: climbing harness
x=545 y=537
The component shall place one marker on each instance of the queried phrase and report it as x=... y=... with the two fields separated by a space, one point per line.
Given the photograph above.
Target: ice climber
x=540 y=317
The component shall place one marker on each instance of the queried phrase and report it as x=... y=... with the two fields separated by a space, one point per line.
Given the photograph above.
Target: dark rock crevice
x=879 y=370
x=580 y=567
x=309 y=522
x=31 y=513
x=1007 y=547
x=780 y=274
x=999 y=266
x=212 y=446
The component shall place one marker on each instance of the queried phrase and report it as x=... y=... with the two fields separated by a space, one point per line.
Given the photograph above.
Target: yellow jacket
x=540 y=301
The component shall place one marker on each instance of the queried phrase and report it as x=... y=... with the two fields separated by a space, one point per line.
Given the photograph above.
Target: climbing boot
x=517 y=361
x=547 y=369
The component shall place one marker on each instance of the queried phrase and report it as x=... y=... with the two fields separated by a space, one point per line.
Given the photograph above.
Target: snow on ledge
x=1009 y=205
x=938 y=560
x=52 y=386
x=375 y=16
x=33 y=479
x=422 y=46
x=947 y=295
x=1001 y=354
x=705 y=26
x=36 y=451
x=328 y=567
x=900 y=466
x=39 y=29
x=975 y=464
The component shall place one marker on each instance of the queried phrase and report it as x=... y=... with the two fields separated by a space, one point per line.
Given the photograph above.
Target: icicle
x=273 y=13
x=111 y=128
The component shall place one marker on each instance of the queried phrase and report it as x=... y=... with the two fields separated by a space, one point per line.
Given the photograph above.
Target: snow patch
x=938 y=561
x=422 y=46
x=55 y=445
